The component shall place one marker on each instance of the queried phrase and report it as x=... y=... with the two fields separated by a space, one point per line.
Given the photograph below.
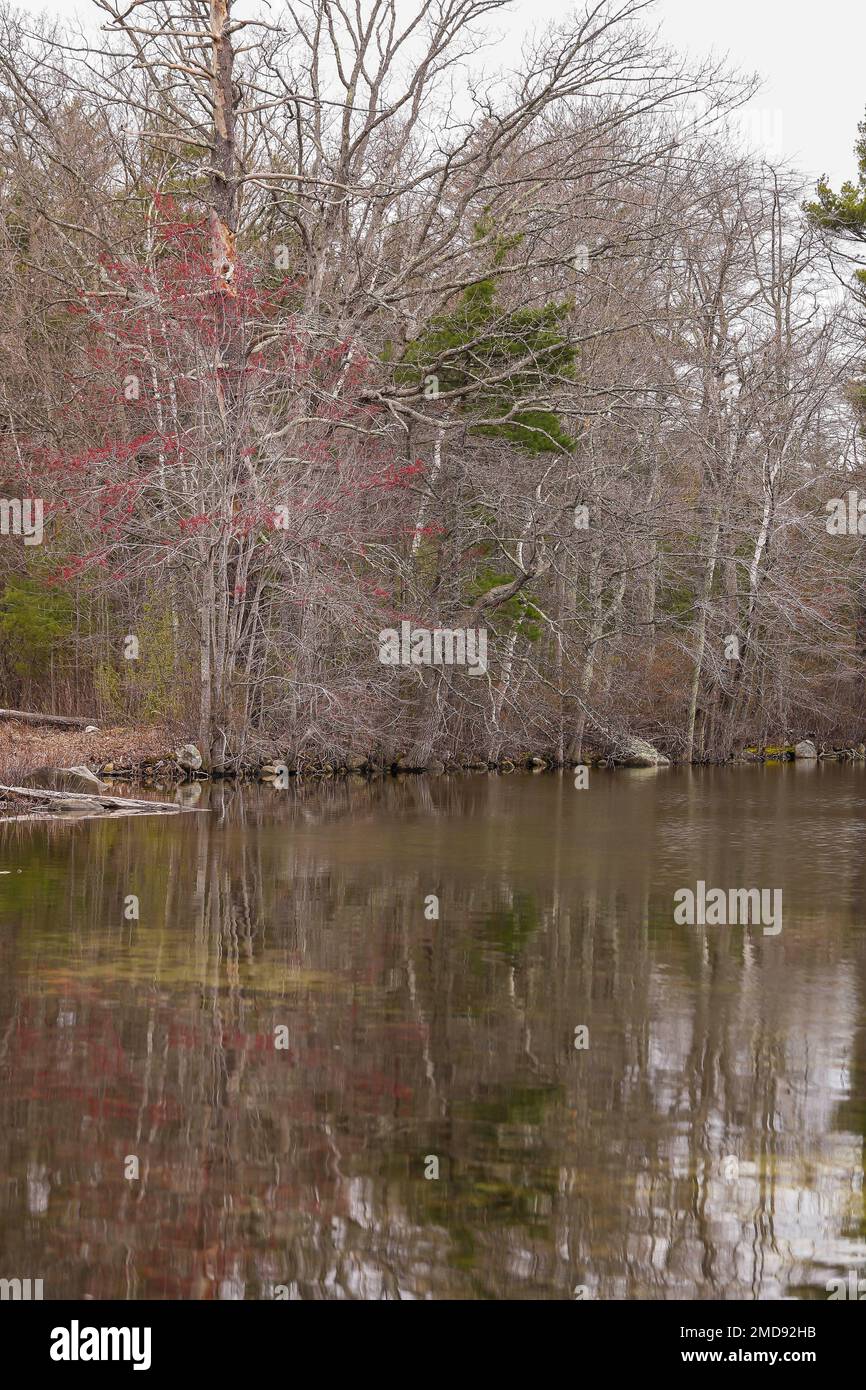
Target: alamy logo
x=847 y=515
x=441 y=646
x=76 y=1343
x=854 y=1290
x=19 y=518
x=23 y=1289
x=716 y=907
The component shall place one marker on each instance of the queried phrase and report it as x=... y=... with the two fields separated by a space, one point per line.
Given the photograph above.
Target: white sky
x=810 y=57
x=809 y=54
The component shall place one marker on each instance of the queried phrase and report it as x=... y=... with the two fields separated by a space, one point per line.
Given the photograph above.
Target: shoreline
x=152 y=756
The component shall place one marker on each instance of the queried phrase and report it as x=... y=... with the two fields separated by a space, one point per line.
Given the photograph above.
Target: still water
x=707 y=1142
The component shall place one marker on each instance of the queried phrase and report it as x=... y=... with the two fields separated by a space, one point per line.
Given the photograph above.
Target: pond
x=439 y=1037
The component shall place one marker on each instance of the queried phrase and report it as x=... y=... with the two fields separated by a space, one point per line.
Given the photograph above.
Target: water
x=707 y=1143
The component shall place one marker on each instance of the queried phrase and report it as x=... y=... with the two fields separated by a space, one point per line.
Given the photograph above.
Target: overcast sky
x=809 y=54
x=810 y=57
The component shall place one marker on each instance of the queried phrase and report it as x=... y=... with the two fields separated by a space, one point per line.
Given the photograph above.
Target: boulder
x=64 y=779
x=189 y=757
x=637 y=752
x=805 y=749
x=188 y=794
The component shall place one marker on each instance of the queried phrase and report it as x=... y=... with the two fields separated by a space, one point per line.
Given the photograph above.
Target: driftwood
x=46 y=814
x=27 y=717
x=97 y=800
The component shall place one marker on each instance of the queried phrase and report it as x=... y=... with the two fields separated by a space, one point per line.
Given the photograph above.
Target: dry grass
x=24 y=747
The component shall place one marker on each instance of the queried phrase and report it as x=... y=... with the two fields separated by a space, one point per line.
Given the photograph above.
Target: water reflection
x=302 y=1168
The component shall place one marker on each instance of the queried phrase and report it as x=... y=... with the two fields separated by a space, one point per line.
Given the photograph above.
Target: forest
x=316 y=324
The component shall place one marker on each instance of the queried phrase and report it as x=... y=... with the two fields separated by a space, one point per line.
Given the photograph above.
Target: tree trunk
x=701 y=626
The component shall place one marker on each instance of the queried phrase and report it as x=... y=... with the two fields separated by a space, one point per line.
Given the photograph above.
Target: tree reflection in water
x=301 y=1169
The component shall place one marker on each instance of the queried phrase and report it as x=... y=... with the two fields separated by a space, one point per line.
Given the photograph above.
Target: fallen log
x=46 y=813
x=28 y=717
x=97 y=799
